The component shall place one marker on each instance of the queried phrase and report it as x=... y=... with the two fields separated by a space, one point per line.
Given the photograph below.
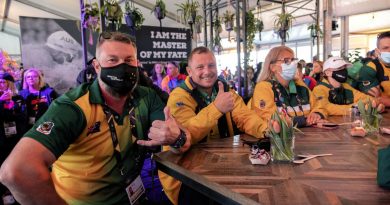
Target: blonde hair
x=271 y=57
x=39 y=73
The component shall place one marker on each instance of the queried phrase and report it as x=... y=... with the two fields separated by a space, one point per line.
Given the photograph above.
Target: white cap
x=335 y=63
x=62 y=41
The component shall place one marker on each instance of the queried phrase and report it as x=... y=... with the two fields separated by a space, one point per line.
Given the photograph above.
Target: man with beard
x=209 y=109
x=93 y=138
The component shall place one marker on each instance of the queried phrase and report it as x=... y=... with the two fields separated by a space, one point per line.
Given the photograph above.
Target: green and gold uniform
x=338 y=102
x=370 y=76
x=196 y=111
x=297 y=100
x=76 y=131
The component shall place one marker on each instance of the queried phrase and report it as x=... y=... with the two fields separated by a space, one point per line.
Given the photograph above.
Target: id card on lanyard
x=135 y=188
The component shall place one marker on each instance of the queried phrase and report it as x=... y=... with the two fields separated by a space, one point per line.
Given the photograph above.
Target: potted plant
x=133 y=17
x=315 y=31
x=198 y=23
x=228 y=19
x=259 y=27
x=112 y=11
x=217 y=39
x=282 y=24
x=251 y=30
x=188 y=11
x=91 y=19
x=159 y=11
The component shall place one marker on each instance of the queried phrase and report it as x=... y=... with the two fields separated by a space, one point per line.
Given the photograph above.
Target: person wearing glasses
x=37 y=94
x=209 y=109
x=336 y=95
x=276 y=90
x=374 y=76
x=88 y=148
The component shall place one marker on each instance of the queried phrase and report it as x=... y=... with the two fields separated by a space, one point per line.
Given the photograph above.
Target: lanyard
x=284 y=106
x=115 y=142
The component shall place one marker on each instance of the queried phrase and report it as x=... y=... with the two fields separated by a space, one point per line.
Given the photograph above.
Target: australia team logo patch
x=45 y=128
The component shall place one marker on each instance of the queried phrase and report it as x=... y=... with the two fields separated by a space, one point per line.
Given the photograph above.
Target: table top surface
x=224 y=172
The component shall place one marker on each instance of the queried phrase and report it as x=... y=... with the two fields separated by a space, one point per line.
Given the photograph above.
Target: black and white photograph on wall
x=54 y=47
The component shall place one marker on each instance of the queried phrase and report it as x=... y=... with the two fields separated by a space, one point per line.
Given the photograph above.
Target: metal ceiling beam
x=5 y=14
x=47 y=9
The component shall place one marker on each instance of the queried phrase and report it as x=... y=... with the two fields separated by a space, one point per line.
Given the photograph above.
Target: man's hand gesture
x=224 y=100
x=162 y=132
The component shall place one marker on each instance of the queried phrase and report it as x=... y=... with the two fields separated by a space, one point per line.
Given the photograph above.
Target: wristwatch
x=180 y=141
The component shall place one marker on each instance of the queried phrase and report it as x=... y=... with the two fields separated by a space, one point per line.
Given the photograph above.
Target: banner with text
x=162 y=45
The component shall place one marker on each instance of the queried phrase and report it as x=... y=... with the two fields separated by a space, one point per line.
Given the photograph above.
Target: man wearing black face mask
x=333 y=92
x=94 y=137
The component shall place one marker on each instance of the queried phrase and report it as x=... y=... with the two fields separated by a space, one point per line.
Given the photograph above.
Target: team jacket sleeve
x=182 y=107
x=60 y=126
x=263 y=100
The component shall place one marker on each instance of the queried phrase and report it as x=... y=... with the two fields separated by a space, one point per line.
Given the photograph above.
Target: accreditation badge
x=10 y=129
x=135 y=190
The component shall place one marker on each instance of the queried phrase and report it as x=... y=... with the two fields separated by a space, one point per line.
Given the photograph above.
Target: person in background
x=309 y=81
x=13 y=120
x=316 y=72
x=93 y=138
x=276 y=91
x=333 y=92
x=250 y=83
x=209 y=109
x=158 y=74
x=173 y=79
x=374 y=77
x=37 y=95
x=88 y=74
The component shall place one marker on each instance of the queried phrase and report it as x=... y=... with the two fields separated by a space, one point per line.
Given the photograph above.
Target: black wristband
x=180 y=141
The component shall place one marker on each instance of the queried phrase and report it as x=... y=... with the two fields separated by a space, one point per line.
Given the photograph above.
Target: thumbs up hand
x=224 y=100
x=162 y=132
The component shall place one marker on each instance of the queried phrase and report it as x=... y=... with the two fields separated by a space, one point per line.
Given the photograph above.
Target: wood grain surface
x=225 y=174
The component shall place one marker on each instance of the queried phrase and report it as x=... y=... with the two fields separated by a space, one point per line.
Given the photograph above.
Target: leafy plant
x=315 y=31
x=259 y=27
x=228 y=19
x=91 y=17
x=112 y=11
x=188 y=11
x=282 y=24
x=134 y=18
x=217 y=39
x=159 y=9
x=281 y=133
x=369 y=112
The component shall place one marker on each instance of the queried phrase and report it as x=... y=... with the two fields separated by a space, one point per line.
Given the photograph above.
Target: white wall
x=10 y=44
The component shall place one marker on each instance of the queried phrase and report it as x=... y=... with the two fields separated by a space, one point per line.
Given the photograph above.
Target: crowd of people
x=89 y=145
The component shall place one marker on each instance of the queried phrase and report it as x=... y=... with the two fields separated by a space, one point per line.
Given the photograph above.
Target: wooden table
x=224 y=173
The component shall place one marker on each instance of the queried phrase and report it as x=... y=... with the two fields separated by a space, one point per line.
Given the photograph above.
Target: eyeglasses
x=31 y=76
x=287 y=60
x=105 y=35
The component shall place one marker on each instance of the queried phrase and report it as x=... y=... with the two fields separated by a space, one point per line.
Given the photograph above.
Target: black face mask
x=122 y=78
x=340 y=75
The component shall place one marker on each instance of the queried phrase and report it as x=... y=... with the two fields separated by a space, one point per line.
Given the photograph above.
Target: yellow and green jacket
x=369 y=77
x=203 y=122
x=339 y=102
x=270 y=96
x=76 y=131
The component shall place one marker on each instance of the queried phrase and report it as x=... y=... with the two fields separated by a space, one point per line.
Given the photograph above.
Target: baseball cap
x=335 y=63
x=7 y=76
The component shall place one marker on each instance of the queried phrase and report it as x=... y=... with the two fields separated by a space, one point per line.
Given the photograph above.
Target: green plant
x=133 y=17
x=369 y=112
x=112 y=11
x=91 y=17
x=188 y=11
x=281 y=134
x=282 y=24
x=259 y=27
x=159 y=9
x=217 y=39
x=315 y=31
x=228 y=19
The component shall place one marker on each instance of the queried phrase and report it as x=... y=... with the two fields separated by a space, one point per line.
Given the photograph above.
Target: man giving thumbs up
x=209 y=109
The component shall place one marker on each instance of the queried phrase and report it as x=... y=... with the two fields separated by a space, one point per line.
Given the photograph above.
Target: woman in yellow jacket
x=333 y=92
x=277 y=91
